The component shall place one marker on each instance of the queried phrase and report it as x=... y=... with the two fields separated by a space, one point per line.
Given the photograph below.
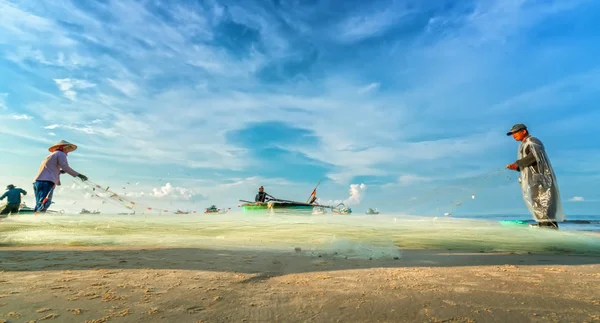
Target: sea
x=354 y=235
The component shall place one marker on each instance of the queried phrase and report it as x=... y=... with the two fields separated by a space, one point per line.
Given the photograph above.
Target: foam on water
x=347 y=236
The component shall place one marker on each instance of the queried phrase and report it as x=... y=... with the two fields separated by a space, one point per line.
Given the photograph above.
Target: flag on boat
x=313 y=196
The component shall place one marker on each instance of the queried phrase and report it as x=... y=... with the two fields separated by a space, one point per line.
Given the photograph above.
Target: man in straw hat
x=538 y=181
x=48 y=176
x=14 y=199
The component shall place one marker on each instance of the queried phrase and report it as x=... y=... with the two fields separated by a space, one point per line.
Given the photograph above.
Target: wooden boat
x=84 y=211
x=371 y=211
x=341 y=209
x=277 y=205
x=24 y=209
x=214 y=209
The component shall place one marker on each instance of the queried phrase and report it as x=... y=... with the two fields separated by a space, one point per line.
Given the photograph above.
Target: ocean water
x=364 y=236
x=574 y=222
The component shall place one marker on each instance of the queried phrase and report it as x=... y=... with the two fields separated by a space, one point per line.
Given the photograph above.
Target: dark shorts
x=10 y=209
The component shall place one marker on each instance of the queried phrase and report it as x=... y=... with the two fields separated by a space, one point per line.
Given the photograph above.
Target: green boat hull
x=291 y=207
x=514 y=222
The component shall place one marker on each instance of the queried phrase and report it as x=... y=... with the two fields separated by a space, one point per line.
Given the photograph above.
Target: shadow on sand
x=264 y=263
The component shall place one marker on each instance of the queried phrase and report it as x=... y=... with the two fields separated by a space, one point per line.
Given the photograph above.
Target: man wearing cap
x=48 y=176
x=538 y=181
x=14 y=199
x=261 y=196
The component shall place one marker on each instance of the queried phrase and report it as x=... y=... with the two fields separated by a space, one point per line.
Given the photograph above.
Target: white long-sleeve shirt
x=51 y=167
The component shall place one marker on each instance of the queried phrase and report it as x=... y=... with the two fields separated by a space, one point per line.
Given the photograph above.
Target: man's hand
x=513 y=166
x=82 y=177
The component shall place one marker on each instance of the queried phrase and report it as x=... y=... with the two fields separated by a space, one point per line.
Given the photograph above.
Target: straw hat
x=54 y=147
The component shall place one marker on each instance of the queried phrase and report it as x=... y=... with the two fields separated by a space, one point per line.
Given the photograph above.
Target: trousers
x=10 y=209
x=43 y=191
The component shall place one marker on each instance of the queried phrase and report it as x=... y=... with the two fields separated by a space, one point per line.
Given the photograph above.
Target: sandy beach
x=116 y=284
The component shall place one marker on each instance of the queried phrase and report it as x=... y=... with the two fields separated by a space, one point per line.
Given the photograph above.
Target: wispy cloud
x=577 y=199
x=87 y=129
x=16 y=117
x=69 y=86
x=408 y=92
x=368 y=88
x=362 y=26
x=26 y=54
x=124 y=86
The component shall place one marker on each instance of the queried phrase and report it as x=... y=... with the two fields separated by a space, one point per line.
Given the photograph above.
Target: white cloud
x=183 y=93
x=24 y=54
x=69 y=85
x=357 y=193
x=126 y=87
x=87 y=129
x=16 y=117
x=368 y=88
x=169 y=190
x=577 y=199
x=363 y=26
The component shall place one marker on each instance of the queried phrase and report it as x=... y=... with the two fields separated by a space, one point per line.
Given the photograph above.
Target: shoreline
x=122 y=284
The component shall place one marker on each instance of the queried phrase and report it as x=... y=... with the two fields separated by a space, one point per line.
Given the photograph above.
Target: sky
x=188 y=103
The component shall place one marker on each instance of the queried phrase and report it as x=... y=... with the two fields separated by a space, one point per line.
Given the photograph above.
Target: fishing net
x=448 y=196
x=362 y=236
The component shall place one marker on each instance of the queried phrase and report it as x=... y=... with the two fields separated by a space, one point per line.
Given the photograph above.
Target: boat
x=182 y=212
x=311 y=206
x=277 y=205
x=84 y=211
x=214 y=209
x=372 y=211
x=341 y=209
x=271 y=203
x=24 y=209
x=318 y=210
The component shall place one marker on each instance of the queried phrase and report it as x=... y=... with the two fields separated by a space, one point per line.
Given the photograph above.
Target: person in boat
x=538 y=181
x=13 y=195
x=48 y=176
x=262 y=196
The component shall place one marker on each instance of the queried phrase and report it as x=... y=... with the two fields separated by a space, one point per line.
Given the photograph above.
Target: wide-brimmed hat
x=65 y=143
x=10 y=186
x=516 y=128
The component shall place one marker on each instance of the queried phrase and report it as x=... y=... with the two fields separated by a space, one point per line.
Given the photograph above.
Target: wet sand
x=114 y=284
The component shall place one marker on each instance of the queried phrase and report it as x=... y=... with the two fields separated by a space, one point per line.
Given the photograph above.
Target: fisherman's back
x=13 y=195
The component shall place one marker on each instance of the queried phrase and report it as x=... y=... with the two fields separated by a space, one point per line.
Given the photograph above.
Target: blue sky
x=219 y=97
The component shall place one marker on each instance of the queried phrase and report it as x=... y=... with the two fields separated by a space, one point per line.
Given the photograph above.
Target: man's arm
x=3 y=196
x=23 y=191
x=526 y=161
